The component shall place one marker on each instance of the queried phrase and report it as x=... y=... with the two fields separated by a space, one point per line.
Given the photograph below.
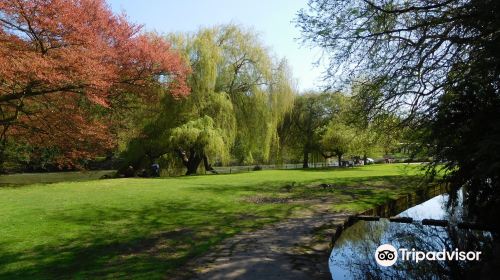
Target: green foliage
x=231 y=60
x=20 y=157
x=391 y=131
x=339 y=139
x=203 y=136
x=237 y=85
x=465 y=135
x=437 y=65
x=377 y=129
x=302 y=128
x=337 y=124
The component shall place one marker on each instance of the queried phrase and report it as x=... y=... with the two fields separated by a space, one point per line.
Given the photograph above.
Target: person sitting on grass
x=155 y=168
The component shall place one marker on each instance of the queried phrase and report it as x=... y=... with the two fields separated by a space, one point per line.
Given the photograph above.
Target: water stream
x=352 y=256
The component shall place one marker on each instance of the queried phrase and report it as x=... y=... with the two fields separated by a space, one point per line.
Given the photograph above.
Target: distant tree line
x=96 y=92
x=243 y=109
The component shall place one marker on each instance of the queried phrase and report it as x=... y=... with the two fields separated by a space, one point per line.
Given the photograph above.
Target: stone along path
x=297 y=248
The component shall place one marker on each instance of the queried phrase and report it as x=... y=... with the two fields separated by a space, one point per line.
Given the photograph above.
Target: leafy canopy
x=61 y=60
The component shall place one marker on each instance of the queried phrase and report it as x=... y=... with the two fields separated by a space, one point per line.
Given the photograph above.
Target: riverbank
x=295 y=249
x=22 y=179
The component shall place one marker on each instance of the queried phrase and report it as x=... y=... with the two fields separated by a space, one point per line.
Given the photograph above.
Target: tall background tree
x=62 y=62
x=323 y=125
x=338 y=140
x=239 y=95
x=437 y=65
x=303 y=126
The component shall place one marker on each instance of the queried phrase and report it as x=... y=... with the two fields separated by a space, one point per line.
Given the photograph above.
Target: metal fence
x=248 y=168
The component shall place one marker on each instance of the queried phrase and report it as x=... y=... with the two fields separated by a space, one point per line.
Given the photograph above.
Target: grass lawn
x=52 y=177
x=145 y=228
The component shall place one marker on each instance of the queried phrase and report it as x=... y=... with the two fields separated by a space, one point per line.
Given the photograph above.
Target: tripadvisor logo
x=387 y=255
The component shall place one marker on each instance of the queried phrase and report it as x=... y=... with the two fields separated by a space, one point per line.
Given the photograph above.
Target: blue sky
x=271 y=19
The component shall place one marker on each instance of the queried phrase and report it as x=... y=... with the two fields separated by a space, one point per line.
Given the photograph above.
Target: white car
x=370 y=161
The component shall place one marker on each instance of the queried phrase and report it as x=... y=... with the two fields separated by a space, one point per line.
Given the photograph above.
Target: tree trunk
x=192 y=165
x=340 y=159
x=3 y=146
x=305 y=163
x=2 y=157
x=208 y=166
x=365 y=159
x=191 y=162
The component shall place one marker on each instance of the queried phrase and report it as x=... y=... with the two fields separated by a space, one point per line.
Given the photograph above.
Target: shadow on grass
x=141 y=244
x=150 y=242
x=312 y=187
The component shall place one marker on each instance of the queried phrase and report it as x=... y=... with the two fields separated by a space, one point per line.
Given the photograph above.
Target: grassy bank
x=51 y=177
x=144 y=228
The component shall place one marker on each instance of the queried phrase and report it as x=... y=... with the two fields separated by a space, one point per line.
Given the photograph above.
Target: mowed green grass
x=147 y=228
x=52 y=177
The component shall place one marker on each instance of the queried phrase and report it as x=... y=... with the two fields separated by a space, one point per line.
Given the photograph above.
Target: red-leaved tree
x=59 y=59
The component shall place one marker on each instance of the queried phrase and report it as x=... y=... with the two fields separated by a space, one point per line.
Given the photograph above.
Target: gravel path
x=297 y=248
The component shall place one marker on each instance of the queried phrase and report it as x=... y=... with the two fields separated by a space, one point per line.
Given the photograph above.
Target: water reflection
x=353 y=254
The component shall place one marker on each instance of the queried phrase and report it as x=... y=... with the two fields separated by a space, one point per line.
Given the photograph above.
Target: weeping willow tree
x=260 y=89
x=239 y=95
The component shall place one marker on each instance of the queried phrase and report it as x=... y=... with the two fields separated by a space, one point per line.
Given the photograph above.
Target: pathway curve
x=296 y=248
